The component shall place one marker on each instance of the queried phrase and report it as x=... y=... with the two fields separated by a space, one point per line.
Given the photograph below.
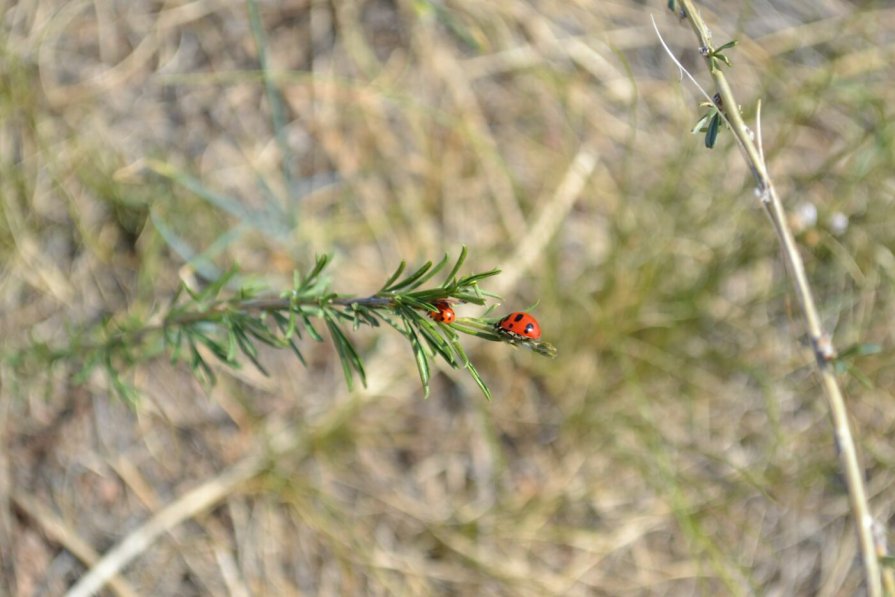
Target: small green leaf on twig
x=845 y=362
x=249 y=349
x=473 y=372
x=198 y=364
x=351 y=361
x=393 y=277
x=419 y=355
x=711 y=133
x=461 y=259
x=710 y=123
x=676 y=8
x=729 y=44
x=717 y=55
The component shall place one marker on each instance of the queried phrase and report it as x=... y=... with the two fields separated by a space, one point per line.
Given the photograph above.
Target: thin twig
x=215 y=313
x=821 y=342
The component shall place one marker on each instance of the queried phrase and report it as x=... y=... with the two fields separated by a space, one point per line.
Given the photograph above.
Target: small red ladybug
x=444 y=314
x=519 y=325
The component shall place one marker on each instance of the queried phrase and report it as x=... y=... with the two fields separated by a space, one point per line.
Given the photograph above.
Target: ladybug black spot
x=529 y=329
x=518 y=317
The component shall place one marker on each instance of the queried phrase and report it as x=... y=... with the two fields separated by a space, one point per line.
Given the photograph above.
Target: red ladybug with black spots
x=519 y=326
x=444 y=314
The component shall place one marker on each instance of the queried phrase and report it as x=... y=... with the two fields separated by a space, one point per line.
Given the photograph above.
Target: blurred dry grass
x=677 y=446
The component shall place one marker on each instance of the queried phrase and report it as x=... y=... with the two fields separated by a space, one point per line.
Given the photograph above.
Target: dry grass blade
x=57 y=530
x=199 y=500
x=190 y=504
x=547 y=222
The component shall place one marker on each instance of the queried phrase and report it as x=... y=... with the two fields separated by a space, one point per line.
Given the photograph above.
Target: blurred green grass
x=678 y=445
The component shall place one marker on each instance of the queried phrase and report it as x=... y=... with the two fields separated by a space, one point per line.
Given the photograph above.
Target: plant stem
x=821 y=343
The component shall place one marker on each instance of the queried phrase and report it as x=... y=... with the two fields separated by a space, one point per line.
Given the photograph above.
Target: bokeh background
x=678 y=444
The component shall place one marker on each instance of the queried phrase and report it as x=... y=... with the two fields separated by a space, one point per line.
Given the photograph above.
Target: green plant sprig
x=203 y=323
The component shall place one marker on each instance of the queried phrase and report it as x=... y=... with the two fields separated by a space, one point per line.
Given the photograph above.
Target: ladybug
x=519 y=325
x=444 y=314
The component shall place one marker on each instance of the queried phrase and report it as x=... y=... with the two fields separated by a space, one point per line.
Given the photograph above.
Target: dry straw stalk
x=821 y=343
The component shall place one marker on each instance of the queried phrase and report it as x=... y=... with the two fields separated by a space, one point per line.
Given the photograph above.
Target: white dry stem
x=821 y=342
